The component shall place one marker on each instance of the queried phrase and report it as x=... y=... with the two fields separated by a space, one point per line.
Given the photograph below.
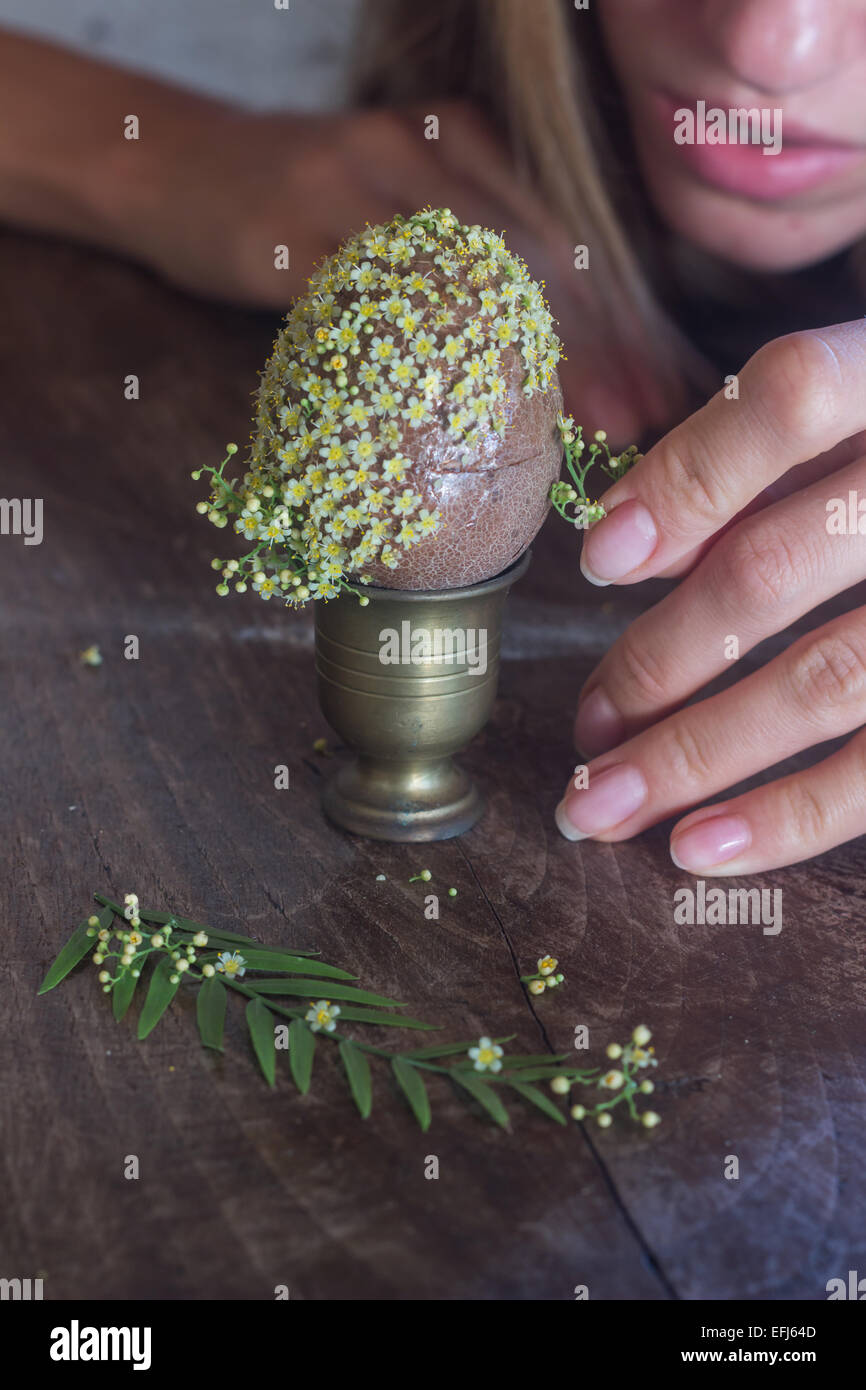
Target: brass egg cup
x=405 y=718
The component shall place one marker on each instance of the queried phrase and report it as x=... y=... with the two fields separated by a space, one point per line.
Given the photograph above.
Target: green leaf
x=122 y=992
x=159 y=996
x=302 y=1045
x=519 y=1061
x=282 y=960
x=186 y=924
x=210 y=1012
x=484 y=1094
x=424 y=1054
x=536 y=1097
x=379 y=1016
x=358 y=1072
x=75 y=950
x=538 y=1073
x=314 y=989
x=414 y=1090
x=260 y=1022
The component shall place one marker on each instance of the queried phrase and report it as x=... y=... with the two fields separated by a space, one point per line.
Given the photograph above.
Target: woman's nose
x=781 y=46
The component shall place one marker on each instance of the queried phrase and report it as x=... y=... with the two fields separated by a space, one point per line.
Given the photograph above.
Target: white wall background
x=245 y=50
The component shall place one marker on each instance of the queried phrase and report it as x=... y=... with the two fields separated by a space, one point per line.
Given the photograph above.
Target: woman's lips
x=804 y=162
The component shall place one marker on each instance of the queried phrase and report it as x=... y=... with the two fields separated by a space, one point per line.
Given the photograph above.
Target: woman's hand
x=710 y=503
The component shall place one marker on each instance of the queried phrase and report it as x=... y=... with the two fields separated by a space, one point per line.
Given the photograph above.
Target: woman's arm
x=208 y=191
x=65 y=164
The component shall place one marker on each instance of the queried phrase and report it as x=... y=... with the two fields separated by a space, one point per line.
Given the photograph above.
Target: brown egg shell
x=492 y=504
x=493 y=497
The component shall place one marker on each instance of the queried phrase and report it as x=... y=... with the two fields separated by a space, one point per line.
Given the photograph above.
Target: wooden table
x=157 y=776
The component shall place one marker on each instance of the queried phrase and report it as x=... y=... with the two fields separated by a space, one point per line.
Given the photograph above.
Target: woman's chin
x=755 y=235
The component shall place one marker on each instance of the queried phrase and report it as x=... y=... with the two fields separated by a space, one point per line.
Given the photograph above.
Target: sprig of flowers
x=125 y=941
x=545 y=977
x=564 y=494
x=409 y=327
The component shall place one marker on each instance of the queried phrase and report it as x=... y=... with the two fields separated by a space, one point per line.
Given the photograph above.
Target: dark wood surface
x=156 y=776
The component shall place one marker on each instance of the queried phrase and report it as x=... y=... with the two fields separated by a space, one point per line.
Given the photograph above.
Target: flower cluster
x=635 y=1056
x=410 y=326
x=133 y=950
x=621 y=1081
x=546 y=976
x=564 y=494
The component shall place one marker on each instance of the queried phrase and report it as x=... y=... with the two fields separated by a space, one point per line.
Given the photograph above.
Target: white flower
x=423 y=347
x=486 y=1055
x=453 y=349
x=364 y=449
x=406 y=502
x=403 y=371
x=417 y=412
x=427 y=521
x=386 y=401
x=267 y=586
x=431 y=383
x=364 y=275
x=231 y=963
x=382 y=349
x=322 y=1017
x=395 y=468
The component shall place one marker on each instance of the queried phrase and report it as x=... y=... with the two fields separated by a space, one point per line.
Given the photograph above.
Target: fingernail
x=599 y=724
x=710 y=842
x=564 y=825
x=611 y=797
x=619 y=543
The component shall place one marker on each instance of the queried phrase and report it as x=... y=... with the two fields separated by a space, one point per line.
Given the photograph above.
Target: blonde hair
x=520 y=64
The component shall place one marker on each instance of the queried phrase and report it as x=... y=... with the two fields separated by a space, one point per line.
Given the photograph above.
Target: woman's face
x=803 y=58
